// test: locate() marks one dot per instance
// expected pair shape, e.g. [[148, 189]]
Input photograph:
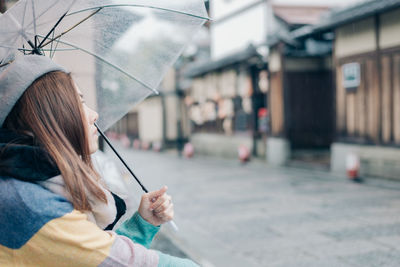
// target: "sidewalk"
[[254, 215]]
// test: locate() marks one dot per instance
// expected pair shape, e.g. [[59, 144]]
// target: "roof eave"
[[228, 61], [330, 26]]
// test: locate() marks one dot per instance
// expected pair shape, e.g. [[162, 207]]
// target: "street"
[[231, 214]]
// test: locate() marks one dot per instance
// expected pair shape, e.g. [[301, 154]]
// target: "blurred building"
[[157, 120], [364, 62], [228, 99], [162, 120], [301, 93]]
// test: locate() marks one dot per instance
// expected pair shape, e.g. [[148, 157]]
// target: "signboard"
[[351, 76]]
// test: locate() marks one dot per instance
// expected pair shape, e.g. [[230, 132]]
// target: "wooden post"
[[379, 69], [285, 93], [396, 98]]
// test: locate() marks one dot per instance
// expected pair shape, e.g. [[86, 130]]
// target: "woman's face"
[[91, 116]]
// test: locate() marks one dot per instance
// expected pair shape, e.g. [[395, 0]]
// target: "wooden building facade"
[[370, 114], [226, 104], [301, 97], [366, 67]]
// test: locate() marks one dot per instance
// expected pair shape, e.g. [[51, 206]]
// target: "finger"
[[168, 214], [158, 193], [163, 206], [157, 202], [160, 201]]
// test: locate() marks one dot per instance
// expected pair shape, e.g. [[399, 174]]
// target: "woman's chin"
[[93, 147], [93, 143]]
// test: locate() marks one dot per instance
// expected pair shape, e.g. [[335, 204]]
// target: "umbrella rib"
[[41, 14], [34, 21], [5, 64], [110, 64], [23, 18], [63, 49], [44, 12], [50, 50], [13, 47], [22, 31], [144, 6], [51, 47], [52, 29], [74, 26]]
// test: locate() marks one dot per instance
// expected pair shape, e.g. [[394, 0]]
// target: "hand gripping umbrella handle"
[[171, 223]]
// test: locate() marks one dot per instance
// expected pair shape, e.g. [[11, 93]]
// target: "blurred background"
[[292, 82], [264, 123]]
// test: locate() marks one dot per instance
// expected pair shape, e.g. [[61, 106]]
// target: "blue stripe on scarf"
[[24, 208]]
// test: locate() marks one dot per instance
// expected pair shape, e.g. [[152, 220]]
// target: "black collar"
[[23, 159]]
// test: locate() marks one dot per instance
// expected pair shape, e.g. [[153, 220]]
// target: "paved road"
[[254, 215]]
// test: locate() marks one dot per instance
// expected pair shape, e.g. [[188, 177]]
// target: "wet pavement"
[[231, 214]]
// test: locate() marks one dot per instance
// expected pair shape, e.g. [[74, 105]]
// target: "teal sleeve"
[[138, 230], [171, 261], [142, 232]]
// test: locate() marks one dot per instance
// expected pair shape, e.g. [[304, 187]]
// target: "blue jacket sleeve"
[[140, 231]]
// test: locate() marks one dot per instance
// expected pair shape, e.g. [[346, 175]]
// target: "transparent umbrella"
[[132, 43], [128, 44]]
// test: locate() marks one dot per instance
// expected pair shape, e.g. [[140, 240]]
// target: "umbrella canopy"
[[130, 44]]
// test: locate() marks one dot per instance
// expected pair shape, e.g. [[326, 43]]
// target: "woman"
[[51, 197]]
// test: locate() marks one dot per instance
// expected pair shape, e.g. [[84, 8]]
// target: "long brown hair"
[[51, 110]]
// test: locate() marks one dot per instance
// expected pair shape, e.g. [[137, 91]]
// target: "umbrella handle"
[[120, 158], [173, 226], [171, 223]]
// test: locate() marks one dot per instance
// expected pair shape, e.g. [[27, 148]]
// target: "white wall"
[[150, 119], [221, 8], [274, 61], [171, 108], [355, 38], [234, 34]]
